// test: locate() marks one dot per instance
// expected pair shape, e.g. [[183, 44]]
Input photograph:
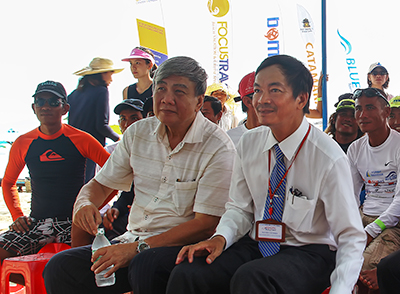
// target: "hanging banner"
[[307, 32], [354, 80], [153, 37], [274, 27], [221, 27]]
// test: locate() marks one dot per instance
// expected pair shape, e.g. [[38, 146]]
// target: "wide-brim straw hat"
[[98, 65]]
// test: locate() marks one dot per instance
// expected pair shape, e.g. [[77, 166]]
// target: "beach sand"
[[5, 215]]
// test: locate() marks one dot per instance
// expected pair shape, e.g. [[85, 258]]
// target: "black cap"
[[148, 105], [344, 96], [136, 104], [55, 88]]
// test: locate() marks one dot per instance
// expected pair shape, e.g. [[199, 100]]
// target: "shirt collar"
[[291, 143], [193, 135]]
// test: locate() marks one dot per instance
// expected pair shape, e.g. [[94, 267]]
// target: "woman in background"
[[378, 77], [143, 66], [89, 104]]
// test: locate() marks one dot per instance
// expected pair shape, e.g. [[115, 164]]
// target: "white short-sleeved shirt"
[[236, 133], [170, 185], [329, 214], [377, 168]]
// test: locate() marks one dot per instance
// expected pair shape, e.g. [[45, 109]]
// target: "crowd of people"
[[208, 203]]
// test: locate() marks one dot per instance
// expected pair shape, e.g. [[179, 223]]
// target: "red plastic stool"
[[54, 248], [30, 267], [327, 290]]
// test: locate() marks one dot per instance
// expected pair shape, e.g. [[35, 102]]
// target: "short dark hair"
[[215, 104], [186, 67], [297, 75]]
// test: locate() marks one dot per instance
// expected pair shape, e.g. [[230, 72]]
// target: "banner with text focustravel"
[[221, 33]]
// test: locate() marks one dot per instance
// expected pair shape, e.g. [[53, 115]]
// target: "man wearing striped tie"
[[292, 223]]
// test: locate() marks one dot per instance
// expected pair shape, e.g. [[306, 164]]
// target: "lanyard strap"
[[271, 195]]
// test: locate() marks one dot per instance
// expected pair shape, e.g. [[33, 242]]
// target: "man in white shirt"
[[181, 165], [246, 91], [323, 240], [375, 162]]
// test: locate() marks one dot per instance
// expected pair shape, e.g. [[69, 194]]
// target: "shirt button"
[[164, 179], [169, 157], [146, 217], [156, 199]]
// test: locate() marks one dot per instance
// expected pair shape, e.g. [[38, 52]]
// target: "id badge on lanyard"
[[271, 230]]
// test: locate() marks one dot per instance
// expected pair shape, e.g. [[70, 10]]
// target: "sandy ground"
[[5, 216]]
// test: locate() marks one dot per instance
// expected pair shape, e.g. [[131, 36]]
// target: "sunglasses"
[[53, 102], [346, 102], [380, 73], [369, 92]]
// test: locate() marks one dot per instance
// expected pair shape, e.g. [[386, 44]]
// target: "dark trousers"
[[389, 274], [69, 272], [241, 269]]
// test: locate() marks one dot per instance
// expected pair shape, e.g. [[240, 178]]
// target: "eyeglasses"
[[53, 102], [381, 73], [369, 92]]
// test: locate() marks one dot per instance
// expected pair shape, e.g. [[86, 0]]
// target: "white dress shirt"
[[170, 185], [236, 133], [329, 214], [377, 168]]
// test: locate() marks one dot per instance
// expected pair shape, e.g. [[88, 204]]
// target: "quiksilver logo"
[[50, 155]]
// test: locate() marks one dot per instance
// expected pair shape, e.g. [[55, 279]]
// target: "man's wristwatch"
[[142, 246]]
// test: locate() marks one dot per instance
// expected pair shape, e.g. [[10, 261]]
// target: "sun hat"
[[136, 104], [55, 88], [137, 53], [346, 104], [375, 65], [98, 65], [395, 102]]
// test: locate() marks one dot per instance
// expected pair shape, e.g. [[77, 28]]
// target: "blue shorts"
[[44, 231]]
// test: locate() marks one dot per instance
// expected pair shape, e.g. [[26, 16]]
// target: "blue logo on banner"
[[351, 64], [346, 44]]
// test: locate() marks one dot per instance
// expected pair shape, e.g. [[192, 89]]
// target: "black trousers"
[[241, 269], [389, 274], [69, 272]]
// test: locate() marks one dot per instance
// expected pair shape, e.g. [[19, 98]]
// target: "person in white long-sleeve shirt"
[[375, 162], [324, 238]]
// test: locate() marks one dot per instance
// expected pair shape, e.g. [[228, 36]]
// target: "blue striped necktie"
[[271, 248]]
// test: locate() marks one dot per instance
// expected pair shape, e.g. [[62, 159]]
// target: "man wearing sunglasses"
[[375, 162], [55, 155]]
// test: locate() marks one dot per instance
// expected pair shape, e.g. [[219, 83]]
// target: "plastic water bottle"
[[101, 241]]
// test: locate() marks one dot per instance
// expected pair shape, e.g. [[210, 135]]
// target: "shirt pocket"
[[299, 213], [183, 197]]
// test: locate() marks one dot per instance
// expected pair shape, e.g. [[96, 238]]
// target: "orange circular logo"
[[218, 8], [272, 34]]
